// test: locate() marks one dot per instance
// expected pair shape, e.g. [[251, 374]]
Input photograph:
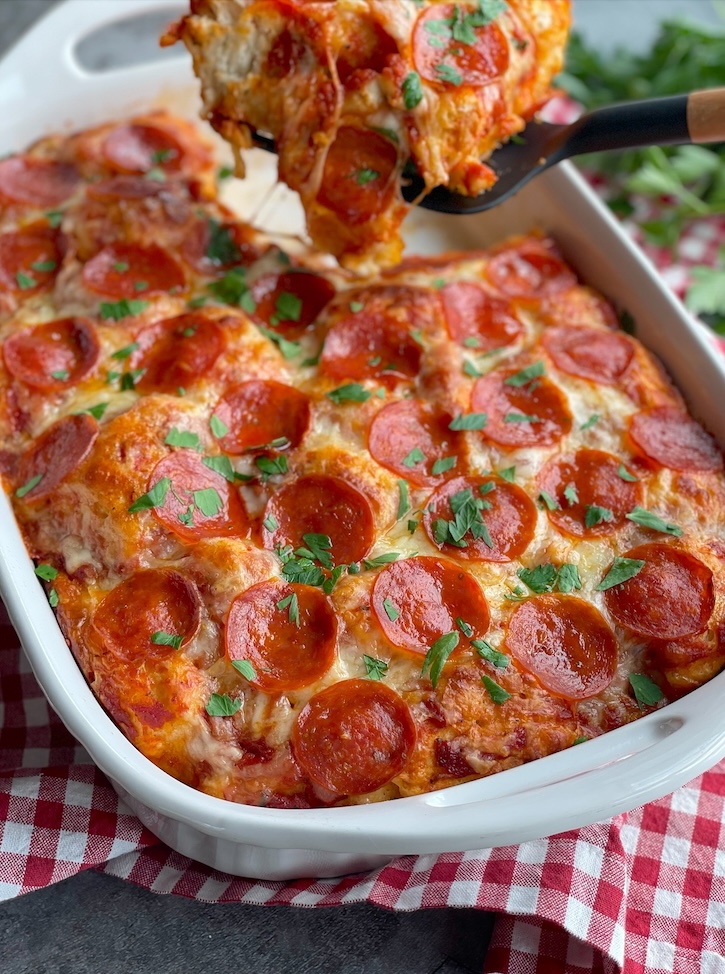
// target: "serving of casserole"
[[302, 530]]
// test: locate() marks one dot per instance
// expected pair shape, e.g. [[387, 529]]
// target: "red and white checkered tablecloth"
[[643, 893]]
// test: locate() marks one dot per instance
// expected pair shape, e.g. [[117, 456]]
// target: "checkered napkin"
[[643, 893]]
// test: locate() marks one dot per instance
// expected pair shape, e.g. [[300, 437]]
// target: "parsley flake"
[[183, 438], [469, 421], [652, 521], [222, 705], [381, 560], [520, 418], [46, 572], [232, 289], [161, 638], [550, 502], [626, 475], [415, 457], [486, 651], [437, 656], [646, 691], [594, 515], [244, 667], [222, 248], [270, 522], [443, 465], [152, 498], [352, 392], [365, 176], [271, 467], [126, 351], [208, 501], [464, 627], [495, 692], [375, 668], [404, 500], [53, 598], [508, 473], [621, 570], [44, 266], [221, 465], [526, 375], [291, 603], [125, 308], [412, 90], [30, 485], [592, 421], [570, 495], [390, 609], [218, 427], [25, 281], [446, 72], [61, 375]]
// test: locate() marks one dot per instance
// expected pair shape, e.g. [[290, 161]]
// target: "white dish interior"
[[43, 89]]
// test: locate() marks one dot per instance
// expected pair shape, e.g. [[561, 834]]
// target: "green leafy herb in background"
[[684, 57]]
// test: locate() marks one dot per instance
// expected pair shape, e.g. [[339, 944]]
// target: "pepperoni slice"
[[403, 430], [566, 644], [578, 305], [154, 601], [200, 503], [213, 246], [370, 344], [475, 316], [353, 737], [260, 412], [317, 504], [37, 182], [535, 414], [52, 356], [671, 596], [531, 269], [119, 270], [137, 148], [177, 352], [29, 259], [358, 176], [673, 439], [55, 454], [290, 302], [427, 596], [443, 60], [584, 480], [509, 516], [589, 353], [287, 632]]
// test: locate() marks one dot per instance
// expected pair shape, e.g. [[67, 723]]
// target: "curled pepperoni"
[[671, 596], [136, 148], [287, 632], [317, 504], [441, 59], [120, 270], [584, 480], [29, 259], [372, 341], [673, 439], [290, 302], [404, 430], [177, 352], [532, 269], [358, 175], [212, 247], [508, 514], [566, 644], [534, 414], [36, 182], [199, 502], [261, 412], [475, 317], [589, 353], [154, 601], [55, 455], [353, 737], [52, 356], [425, 598]]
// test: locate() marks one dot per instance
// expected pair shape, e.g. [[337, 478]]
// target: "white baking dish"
[[42, 88]]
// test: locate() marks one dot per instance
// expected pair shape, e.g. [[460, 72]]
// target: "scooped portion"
[[356, 92]]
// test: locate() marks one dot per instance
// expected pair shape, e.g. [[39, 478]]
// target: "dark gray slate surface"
[[93, 924]]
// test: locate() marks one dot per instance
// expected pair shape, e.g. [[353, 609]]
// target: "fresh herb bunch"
[[684, 57]]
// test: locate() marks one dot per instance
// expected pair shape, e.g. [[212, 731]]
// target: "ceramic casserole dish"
[[43, 88]]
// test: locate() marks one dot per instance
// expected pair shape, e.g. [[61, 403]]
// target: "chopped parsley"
[[232, 289], [469, 421], [98, 410], [222, 248], [466, 510], [495, 692], [244, 667], [208, 501], [592, 421], [287, 348], [391, 610], [352, 392], [404, 500], [443, 465], [654, 522], [152, 498], [626, 475], [287, 307], [222, 465], [412, 90], [125, 308], [526, 375], [291, 603], [547, 577], [570, 495], [270, 522], [365, 176], [520, 418], [415, 457], [375, 668], [550, 502], [44, 266], [486, 651], [61, 375], [594, 515], [446, 72], [126, 351], [218, 427], [30, 485], [646, 691], [437, 656], [621, 570], [271, 467], [508, 473], [25, 281], [222, 705], [162, 638], [381, 560], [183, 438], [46, 572]]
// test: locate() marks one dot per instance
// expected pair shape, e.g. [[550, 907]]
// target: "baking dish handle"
[[58, 34]]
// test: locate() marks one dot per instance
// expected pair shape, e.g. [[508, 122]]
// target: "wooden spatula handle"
[[706, 115]]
